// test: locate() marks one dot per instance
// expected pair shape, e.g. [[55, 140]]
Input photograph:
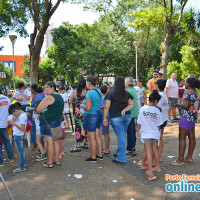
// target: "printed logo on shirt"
[[150, 115], [4, 103]]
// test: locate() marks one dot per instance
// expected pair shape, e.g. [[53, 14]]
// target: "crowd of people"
[[128, 106]]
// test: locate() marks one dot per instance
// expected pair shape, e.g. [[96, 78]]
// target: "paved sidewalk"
[[101, 180]]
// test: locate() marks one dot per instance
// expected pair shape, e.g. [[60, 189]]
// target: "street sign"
[[2, 74], [83, 72]]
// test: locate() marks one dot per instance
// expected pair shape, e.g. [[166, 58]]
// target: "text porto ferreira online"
[[184, 184]]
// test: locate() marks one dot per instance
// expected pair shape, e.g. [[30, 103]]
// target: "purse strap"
[[45, 121], [97, 92]]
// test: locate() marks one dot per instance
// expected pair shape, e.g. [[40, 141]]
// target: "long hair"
[[80, 87], [119, 91]]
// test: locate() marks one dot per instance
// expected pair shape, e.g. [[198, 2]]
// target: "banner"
[[2, 74]]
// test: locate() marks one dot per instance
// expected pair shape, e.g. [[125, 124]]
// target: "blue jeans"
[[33, 132], [20, 147], [120, 125], [131, 138], [7, 145]]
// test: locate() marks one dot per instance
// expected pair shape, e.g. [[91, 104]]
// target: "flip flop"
[[18, 170], [144, 168], [56, 163], [174, 163], [78, 149], [104, 153], [185, 159], [155, 170], [151, 178], [46, 165]]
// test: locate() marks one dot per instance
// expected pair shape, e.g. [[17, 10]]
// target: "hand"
[[123, 112], [12, 122], [105, 122], [22, 91]]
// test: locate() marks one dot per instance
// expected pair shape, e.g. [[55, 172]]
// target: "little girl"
[[149, 120]]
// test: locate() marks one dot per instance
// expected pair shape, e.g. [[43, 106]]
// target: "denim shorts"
[[45, 130], [149, 140], [93, 121], [38, 132]]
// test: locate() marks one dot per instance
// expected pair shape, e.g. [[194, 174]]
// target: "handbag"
[[56, 132]]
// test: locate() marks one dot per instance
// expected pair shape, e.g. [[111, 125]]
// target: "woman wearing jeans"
[[93, 118], [119, 103]]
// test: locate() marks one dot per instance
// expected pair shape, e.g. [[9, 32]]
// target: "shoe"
[[170, 121], [176, 119], [1, 164], [73, 133], [42, 157], [11, 160], [115, 161], [114, 155], [38, 157], [91, 160], [99, 158]]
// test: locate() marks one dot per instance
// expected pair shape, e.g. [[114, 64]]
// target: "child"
[[149, 121], [38, 135], [61, 141], [163, 104], [181, 87], [105, 129], [66, 105], [18, 122]]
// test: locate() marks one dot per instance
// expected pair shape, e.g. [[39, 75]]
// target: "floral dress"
[[190, 114], [81, 135]]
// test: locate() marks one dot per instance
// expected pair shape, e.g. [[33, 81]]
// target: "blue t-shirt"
[[95, 99], [38, 96]]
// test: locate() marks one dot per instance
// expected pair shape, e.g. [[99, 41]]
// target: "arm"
[[26, 96], [72, 97], [88, 105], [12, 99], [145, 96], [137, 130], [166, 89], [45, 103], [185, 104], [106, 109], [129, 107], [21, 128]]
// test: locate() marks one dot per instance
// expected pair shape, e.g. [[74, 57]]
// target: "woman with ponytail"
[[188, 111]]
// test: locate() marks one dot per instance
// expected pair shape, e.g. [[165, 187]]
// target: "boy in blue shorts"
[[105, 129]]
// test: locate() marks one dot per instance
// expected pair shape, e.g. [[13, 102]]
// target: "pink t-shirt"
[[172, 88]]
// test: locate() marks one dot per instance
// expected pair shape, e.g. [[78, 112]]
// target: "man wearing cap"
[[152, 83], [4, 105], [22, 95]]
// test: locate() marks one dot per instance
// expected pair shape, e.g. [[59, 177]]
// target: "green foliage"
[[25, 66], [172, 67]]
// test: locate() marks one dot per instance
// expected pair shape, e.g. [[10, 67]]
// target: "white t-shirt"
[[37, 121], [150, 118], [138, 91], [163, 104], [66, 105], [4, 105], [20, 98], [21, 119], [69, 93], [172, 88]]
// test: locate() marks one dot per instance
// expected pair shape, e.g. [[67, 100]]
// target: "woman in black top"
[[119, 103]]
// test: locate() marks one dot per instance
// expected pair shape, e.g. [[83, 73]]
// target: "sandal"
[[56, 163], [75, 150], [48, 165], [188, 160], [144, 168], [155, 170], [85, 146], [151, 178], [175, 163], [18, 170], [104, 153]]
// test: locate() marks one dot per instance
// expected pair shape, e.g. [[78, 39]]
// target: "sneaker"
[[73, 133], [99, 158], [11, 160], [1, 164], [43, 157], [176, 119], [39, 156], [170, 121], [91, 160], [114, 155]]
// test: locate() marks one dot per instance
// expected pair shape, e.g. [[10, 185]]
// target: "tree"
[[8, 81]]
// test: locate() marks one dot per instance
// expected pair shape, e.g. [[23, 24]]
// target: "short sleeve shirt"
[[95, 96], [152, 83], [20, 97], [150, 119], [66, 105], [163, 104], [134, 110], [190, 114], [116, 107], [21, 119], [172, 88], [4, 105]]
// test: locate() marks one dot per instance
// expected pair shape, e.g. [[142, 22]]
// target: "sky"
[[65, 12]]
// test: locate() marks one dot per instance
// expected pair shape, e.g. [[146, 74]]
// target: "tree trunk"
[[35, 58], [165, 54]]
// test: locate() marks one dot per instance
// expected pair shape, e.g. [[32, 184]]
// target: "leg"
[[28, 137], [7, 145], [19, 143], [161, 146], [51, 149], [93, 144], [169, 112], [99, 142], [15, 151], [174, 112], [148, 149], [156, 155], [38, 140], [182, 144], [131, 135], [107, 143], [144, 159], [57, 150], [192, 144]]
